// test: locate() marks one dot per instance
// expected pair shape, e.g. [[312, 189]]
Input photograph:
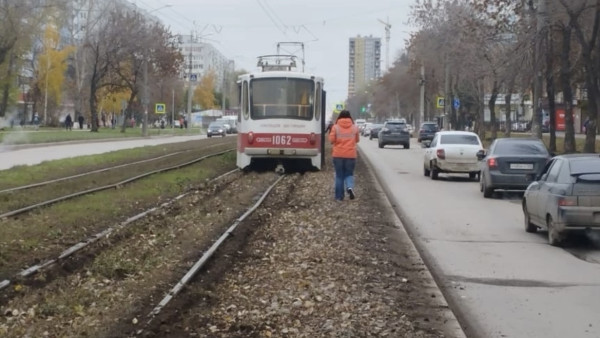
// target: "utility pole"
[[422, 99], [190, 91], [536, 126], [145, 99]]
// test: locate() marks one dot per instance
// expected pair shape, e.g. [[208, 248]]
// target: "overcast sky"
[[245, 29]]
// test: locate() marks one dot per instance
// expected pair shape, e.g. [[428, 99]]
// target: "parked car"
[[374, 133], [411, 129], [394, 132], [452, 152], [565, 197], [366, 129], [510, 162], [216, 128], [427, 131]]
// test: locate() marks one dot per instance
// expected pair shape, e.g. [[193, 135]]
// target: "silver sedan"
[[565, 197]]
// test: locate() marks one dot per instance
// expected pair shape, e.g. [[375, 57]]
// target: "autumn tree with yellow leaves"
[[204, 94], [52, 65]]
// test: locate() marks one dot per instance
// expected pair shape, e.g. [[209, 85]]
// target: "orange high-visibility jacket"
[[344, 137]]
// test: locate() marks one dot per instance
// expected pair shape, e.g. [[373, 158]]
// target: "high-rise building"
[[201, 58], [364, 62]]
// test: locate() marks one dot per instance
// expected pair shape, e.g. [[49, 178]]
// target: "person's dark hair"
[[344, 114]]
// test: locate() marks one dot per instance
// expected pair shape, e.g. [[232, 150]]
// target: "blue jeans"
[[344, 174]]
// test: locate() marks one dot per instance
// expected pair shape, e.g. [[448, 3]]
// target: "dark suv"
[[216, 128], [427, 131], [394, 132]]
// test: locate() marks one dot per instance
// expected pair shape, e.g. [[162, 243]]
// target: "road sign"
[[160, 108], [339, 106], [456, 103], [439, 102], [194, 77]]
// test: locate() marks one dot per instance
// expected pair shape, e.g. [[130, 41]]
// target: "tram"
[[281, 122]]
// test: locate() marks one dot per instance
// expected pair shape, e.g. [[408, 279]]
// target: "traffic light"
[[363, 109]]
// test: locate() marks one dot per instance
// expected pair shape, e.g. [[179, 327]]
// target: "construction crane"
[[388, 27]]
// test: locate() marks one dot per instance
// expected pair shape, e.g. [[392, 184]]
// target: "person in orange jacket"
[[344, 136]]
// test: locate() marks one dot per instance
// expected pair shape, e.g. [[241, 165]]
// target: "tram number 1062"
[[282, 140]]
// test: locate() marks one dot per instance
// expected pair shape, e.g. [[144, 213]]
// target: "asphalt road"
[[499, 280], [12, 156]]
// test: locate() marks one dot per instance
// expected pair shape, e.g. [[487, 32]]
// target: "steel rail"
[[207, 255], [39, 184], [96, 237], [110, 186]]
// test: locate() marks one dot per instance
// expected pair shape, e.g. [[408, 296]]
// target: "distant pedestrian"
[[344, 136], [181, 123], [185, 123], [80, 120], [68, 122], [36, 121], [103, 120]]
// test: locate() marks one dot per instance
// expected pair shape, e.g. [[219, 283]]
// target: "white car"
[[452, 152]]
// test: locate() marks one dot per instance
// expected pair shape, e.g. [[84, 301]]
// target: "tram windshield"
[[282, 98]]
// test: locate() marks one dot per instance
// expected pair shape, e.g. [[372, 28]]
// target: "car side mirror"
[[552, 154], [426, 144], [480, 154]]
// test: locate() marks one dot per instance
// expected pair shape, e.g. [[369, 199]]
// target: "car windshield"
[[520, 148], [396, 126], [215, 125], [429, 127], [459, 139], [585, 166]]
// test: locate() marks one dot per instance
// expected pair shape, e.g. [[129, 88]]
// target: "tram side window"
[[318, 102], [283, 98], [244, 100]]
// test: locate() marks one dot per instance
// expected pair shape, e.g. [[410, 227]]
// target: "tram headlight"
[[250, 137], [313, 138]]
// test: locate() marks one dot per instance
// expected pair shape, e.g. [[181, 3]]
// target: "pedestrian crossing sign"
[[160, 108], [439, 102]]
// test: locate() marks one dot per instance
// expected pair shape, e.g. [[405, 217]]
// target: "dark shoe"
[[351, 193]]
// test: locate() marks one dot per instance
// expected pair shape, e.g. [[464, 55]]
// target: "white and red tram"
[[281, 119]]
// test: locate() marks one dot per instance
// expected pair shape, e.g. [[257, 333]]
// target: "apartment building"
[[364, 64]]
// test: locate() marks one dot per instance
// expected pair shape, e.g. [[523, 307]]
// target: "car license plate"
[[522, 166]]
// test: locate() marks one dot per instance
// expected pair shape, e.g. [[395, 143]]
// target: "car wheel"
[[529, 227], [425, 171], [370, 137], [434, 173], [208, 136], [407, 146], [487, 191], [381, 145], [419, 140], [472, 175], [480, 183], [555, 238]]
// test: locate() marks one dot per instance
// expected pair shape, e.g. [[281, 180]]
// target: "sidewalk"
[[32, 154]]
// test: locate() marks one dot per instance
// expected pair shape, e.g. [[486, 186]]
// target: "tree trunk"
[[492, 107], [565, 80], [550, 89], [6, 89], [481, 113]]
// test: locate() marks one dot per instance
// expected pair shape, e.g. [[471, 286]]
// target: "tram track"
[[108, 186], [36, 268], [162, 246], [20, 199], [29, 239]]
